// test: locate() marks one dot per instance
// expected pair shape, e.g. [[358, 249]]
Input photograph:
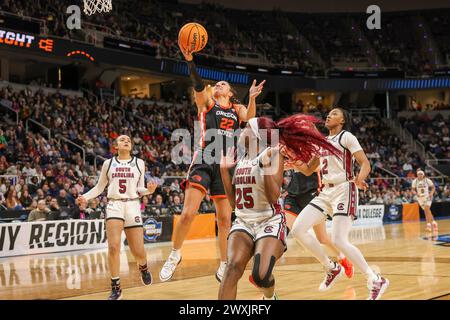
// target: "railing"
[[90, 94], [39, 125], [407, 137], [12, 110], [441, 179], [95, 160], [60, 137], [386, 170], [365, 111], [432, 162]]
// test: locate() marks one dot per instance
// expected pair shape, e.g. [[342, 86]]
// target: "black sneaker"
[[146, 276], [116, 293]]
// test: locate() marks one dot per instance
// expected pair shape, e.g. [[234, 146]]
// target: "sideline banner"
[[368, 215], [51, 236]]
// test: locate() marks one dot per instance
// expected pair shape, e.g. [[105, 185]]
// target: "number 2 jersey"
[[333, 169], [251, 202], [125, 179], [422, 187]]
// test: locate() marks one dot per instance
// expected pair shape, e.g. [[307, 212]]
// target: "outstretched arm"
[[202, 98], [246, 114], [98, 188], [364, 163]]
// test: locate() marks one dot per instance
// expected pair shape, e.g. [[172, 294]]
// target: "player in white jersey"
[[124, 176], [259, 229], [421, 188], [338, 200]]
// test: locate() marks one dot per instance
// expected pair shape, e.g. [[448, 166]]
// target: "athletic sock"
[[115, 282], [341, 256], [143, 267], [176, 252], [370, 275]]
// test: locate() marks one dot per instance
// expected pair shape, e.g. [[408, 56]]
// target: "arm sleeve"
[[351, 143], [101, 183], [141, 189]]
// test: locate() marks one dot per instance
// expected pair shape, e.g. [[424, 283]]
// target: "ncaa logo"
[[340, 206], [137, 219], [268, 229], [197, 178], [152, 229]]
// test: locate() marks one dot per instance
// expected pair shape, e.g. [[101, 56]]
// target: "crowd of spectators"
[[277, 35], [36, 167], [46, 174], [433, 133]]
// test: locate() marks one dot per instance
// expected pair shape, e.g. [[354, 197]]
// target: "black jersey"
[[224, 120], [301, 184]]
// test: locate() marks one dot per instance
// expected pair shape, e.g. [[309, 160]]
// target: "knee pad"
[[264, 282]]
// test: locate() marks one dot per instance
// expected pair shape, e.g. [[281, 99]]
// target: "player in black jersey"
[[301, 190], [221, 113]]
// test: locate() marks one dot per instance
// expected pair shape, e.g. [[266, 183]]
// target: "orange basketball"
[[192, 37]]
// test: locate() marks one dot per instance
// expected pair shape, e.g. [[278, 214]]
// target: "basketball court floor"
[[417, 265]]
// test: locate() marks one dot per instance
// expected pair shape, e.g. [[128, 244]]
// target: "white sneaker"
[[169, 267], [221, 271], [377, 288], [331, 276], [275, 297]]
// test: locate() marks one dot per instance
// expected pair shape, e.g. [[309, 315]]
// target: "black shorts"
[[294, 204], [206, 177]]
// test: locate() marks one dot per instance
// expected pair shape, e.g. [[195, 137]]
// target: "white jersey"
[[422, 187], [333, 169], [252, 205], [125, 179]]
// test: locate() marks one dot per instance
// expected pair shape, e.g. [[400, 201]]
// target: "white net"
[[93, 6]]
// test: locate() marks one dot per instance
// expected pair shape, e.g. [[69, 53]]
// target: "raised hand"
[[255, 90], [187, 54]]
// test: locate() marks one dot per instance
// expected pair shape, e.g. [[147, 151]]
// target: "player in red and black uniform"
[[219, 116]]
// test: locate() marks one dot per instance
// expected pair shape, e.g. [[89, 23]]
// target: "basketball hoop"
[[93, 6]]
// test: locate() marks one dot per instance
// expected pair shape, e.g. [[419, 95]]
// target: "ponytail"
[[300, 137]]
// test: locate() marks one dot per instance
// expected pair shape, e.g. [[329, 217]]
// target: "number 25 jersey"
[[251, 202]]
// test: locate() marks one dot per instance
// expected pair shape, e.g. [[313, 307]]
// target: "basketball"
[[192, 37]]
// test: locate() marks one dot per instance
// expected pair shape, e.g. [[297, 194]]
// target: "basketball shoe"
[[348, 267], [377, 287], [169, 266], [146, 276], [220, 271], [331, 277]]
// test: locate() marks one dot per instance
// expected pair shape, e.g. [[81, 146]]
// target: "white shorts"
[[424, 201], [274, 227], [339, 200], [127, 211]]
